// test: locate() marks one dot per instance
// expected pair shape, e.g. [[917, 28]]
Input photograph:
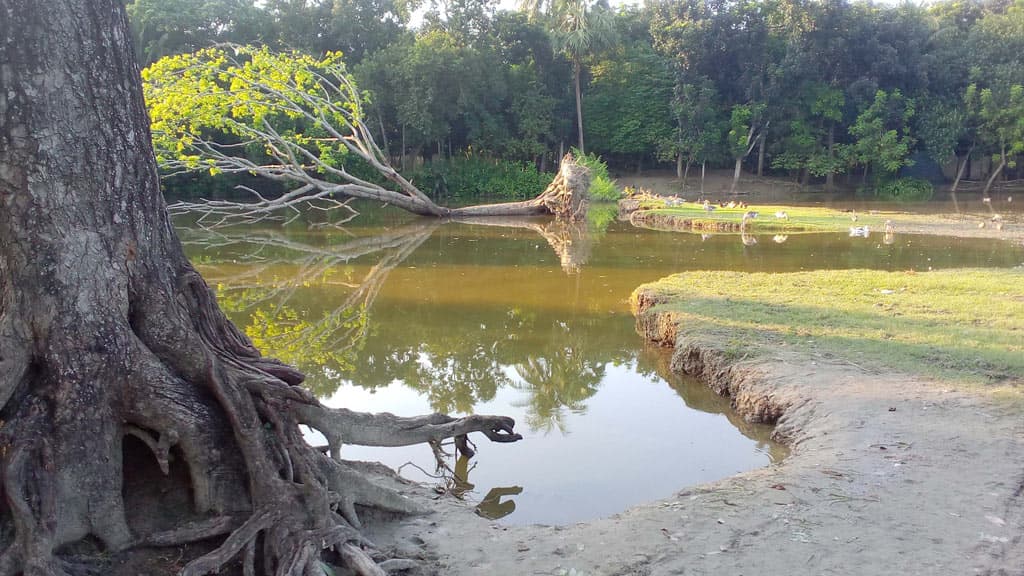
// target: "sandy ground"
[[888, 474]]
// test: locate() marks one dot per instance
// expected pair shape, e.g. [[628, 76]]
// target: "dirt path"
[[888, 475]]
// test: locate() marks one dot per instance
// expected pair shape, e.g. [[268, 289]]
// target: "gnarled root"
[[212, 413], [340, 425]]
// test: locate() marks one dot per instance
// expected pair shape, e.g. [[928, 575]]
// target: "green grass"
[[800, 219], [963, 325]]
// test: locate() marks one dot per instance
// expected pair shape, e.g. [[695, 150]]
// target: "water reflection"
[[522, 318], [493, 507], [570, 241], [266, 278]]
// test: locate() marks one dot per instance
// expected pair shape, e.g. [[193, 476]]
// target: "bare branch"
[[332, 109]]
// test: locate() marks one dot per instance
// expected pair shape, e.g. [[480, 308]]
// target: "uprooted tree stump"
[[116, 361], [566, 198]]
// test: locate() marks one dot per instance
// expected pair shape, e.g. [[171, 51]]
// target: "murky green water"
[[527, 320]]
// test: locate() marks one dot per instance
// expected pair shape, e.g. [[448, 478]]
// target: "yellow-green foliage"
[[960, 324], [281, 105]]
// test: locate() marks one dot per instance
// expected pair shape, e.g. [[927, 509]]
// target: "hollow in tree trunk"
[[114, 355]]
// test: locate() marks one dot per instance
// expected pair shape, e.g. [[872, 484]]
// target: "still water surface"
[[529, 320]]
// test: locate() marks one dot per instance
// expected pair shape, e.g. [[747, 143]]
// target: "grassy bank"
[[797, 219], [965, 325]]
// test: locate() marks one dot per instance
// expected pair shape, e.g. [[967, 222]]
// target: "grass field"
[[966, 325], [798, 219]]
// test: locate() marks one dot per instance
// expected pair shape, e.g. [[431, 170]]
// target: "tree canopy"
[[690, 81]]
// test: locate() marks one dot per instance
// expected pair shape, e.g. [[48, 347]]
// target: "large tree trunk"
[[736, 175], [566, 198], [830, 177], [995, 174], [961, 168], [760, 155], [577, 72], [107, 332]]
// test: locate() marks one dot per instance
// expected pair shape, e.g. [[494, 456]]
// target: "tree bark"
[[961, 168], [576, 70], [404, 167], [736, 174], [751, 142], [566, 198], [760, 155], [830, 176], [107, 331], [995, 173]]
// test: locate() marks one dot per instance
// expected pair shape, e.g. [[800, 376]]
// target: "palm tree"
[[585, 26]]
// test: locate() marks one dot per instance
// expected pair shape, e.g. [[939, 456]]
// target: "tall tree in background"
[[995, 98], [699, 126], [628, 104], [882, 135], [585, 27], [999, 114], [165, 27], [117, 363]]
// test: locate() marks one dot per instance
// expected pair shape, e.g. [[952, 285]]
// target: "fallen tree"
[[115, 359], [297, 121]]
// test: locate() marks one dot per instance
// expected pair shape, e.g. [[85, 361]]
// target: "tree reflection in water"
[[562, 380], [274, 284], [265, 275], [457, 315], [309, 300]]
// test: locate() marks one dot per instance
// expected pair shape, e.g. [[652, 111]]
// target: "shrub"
[[602, 187], [474, 178], [905, 190]]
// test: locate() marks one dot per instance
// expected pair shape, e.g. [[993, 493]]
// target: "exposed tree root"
[[116, 362], [191, 532], [233, 417], [340, 426], [360, 562]]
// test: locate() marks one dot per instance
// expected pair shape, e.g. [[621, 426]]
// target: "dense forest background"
[[821, 91]]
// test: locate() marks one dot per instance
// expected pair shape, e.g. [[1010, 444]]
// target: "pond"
[[522, 318]]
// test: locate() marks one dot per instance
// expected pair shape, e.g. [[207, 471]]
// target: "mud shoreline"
[[887, 475]]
